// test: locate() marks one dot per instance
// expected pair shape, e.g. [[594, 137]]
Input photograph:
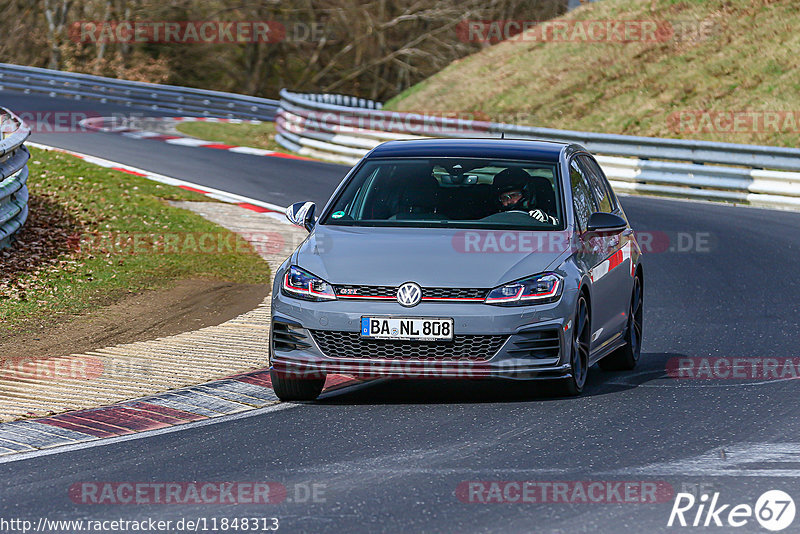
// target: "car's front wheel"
[[579, 354], [295, 389], [625, 358]]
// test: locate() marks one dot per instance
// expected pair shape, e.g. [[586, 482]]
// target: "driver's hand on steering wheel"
[[541, 216]]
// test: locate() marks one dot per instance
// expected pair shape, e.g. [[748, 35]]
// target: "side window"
[[581, 194], [602, 192]]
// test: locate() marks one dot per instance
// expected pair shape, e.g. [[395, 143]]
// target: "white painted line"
[[142, 134], [218, 194], [250, 150], [96, 123], [162, 400], [101, 442], [351, 469], [739, 460], [670, 382], [188, 141]]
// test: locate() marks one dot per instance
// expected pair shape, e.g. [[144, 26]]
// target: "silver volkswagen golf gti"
[[460, 258]]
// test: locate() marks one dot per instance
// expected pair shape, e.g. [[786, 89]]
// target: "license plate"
[[419, 328]]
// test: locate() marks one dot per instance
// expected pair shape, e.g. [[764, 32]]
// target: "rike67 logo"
[[774, 510]]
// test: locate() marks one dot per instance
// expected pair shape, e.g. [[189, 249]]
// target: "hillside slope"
[[724, 70]]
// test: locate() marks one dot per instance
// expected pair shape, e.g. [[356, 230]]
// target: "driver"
[[511, 188]]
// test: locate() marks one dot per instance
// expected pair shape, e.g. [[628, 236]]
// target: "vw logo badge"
[[409, 294]]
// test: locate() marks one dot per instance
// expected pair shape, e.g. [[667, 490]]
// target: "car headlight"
[[539, 289], [304, 285]]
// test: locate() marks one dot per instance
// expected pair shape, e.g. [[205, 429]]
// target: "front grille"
[[461, 348], [356, 291], [366, 291], [453, 293], [540, 344]]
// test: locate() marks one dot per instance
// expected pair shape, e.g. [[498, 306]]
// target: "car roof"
[[480, 148]]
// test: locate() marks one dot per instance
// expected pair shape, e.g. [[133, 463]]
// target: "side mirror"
[[602, 223], [302, 214]]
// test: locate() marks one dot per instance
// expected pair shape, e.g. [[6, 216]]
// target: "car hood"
[[431, 257]]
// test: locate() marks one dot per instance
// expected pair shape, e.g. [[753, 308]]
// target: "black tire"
[[295, 389], [625, 358], [579, 352]]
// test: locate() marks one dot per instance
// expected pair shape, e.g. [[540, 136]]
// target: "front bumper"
[[297, 347]]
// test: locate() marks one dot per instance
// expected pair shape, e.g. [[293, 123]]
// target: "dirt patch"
[[187, 305], [45, 236]]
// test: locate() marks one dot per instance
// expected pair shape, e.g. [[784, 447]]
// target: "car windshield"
[[458, 192]]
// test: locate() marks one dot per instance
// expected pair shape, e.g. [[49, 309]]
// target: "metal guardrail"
[[342, 100], [155, 97], [13, 176], [759, 175]]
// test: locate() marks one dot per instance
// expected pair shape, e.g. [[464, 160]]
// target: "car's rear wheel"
[[295, 389], [625, 358], [579, 352]]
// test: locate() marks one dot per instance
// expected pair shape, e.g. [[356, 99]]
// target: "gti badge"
[[409, 294]]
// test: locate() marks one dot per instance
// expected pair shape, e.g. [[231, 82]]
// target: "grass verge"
[[259, 135], [94, 235]]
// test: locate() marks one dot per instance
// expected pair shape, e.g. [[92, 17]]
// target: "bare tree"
[[370, 48], [55, 13]]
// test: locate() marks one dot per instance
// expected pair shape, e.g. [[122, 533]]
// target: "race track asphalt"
[[389, 455]]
